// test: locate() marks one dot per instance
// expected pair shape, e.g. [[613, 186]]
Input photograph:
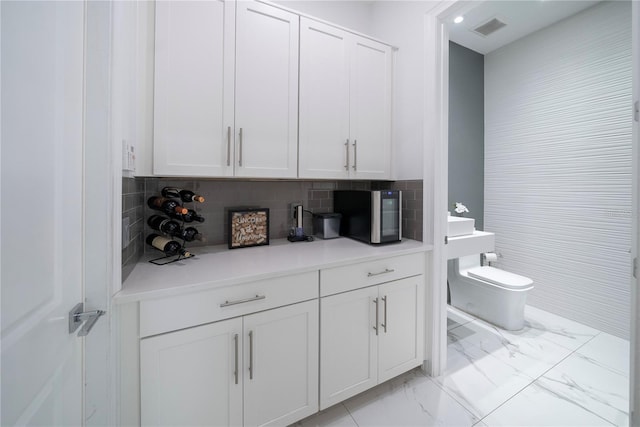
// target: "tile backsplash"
[[315, 196], [133, 202]]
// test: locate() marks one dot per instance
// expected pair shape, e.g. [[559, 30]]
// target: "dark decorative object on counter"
[[248, 227]]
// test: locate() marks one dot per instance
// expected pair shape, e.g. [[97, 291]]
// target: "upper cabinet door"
[[193, 96], [371, 81], [324, 100], [266, 91]]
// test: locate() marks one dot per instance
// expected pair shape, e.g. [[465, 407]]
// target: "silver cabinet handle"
[[242, 301], [375, 301], [229, 146], [355, 155], [386, 270], [235, 372], [250, 355], [384, 325], [240, 149], [346, 145]]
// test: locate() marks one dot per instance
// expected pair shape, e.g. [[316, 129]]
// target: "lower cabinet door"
[[189, 377], [348, 345], [401, 337], [281, 365]]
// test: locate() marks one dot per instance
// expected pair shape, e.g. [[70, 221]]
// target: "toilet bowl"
[[488, 293]]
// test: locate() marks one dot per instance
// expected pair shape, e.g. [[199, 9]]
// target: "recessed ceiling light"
[[458, 19]]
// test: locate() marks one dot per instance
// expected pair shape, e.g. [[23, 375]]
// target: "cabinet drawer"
[[354, 276], [184, 311]]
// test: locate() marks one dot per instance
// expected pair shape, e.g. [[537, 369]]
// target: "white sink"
[[460, 226]]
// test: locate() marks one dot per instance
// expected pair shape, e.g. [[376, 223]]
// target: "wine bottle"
[[168, 246], [184, 195], [165, 205], [189, 216], [166, 225], [190, 234]]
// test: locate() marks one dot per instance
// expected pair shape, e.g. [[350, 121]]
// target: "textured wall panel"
[[558, 164]]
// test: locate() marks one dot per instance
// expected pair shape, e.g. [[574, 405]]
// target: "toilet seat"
[[500, 277]]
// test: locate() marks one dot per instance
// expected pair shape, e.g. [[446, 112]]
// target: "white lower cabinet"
[[273, 351], [281, 364], [187, 377], [368, 336], [257, 370]]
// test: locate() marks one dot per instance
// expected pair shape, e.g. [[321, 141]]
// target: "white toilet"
[[489, 293]]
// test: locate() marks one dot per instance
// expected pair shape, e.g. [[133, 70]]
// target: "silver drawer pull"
[[386, 270], [384, 325], [346, 145], [250, 355], [242, 301], [235, 372], [375, 301]]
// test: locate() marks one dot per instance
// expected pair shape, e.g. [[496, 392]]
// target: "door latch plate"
[[74, 320], [77, 317]]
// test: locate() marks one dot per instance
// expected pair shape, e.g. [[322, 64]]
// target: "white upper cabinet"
[[345, 104], [226, 90], [370, 89], [266, 91], [193, 89], [234, 80], [324, 100]]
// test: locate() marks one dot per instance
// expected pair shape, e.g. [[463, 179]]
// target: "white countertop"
[[217, 266]]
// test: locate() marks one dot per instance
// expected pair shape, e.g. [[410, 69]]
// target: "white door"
[[193, 377], [635, 281], [348, 345], [266, 91], [193, 97], [371, 79], [400, 340], [281, 365], [42, 204], [324, 100]]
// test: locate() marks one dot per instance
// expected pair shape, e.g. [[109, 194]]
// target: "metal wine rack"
[[168, 259]]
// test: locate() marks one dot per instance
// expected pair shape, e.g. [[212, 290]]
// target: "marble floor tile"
[[538, 406], [531, 356], [335, 416], [409, 400], [479, 381], [561, 331], [554, 372], [608, 350], [590, 385], [457, 317]]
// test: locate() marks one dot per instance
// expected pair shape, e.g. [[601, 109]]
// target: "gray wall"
[[466, 131]]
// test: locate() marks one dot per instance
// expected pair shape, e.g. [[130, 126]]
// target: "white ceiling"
[[522, 17]]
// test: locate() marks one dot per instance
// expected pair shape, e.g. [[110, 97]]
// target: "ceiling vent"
[[489, 27]]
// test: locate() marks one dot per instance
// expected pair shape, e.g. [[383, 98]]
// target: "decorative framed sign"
[[248, 227]]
